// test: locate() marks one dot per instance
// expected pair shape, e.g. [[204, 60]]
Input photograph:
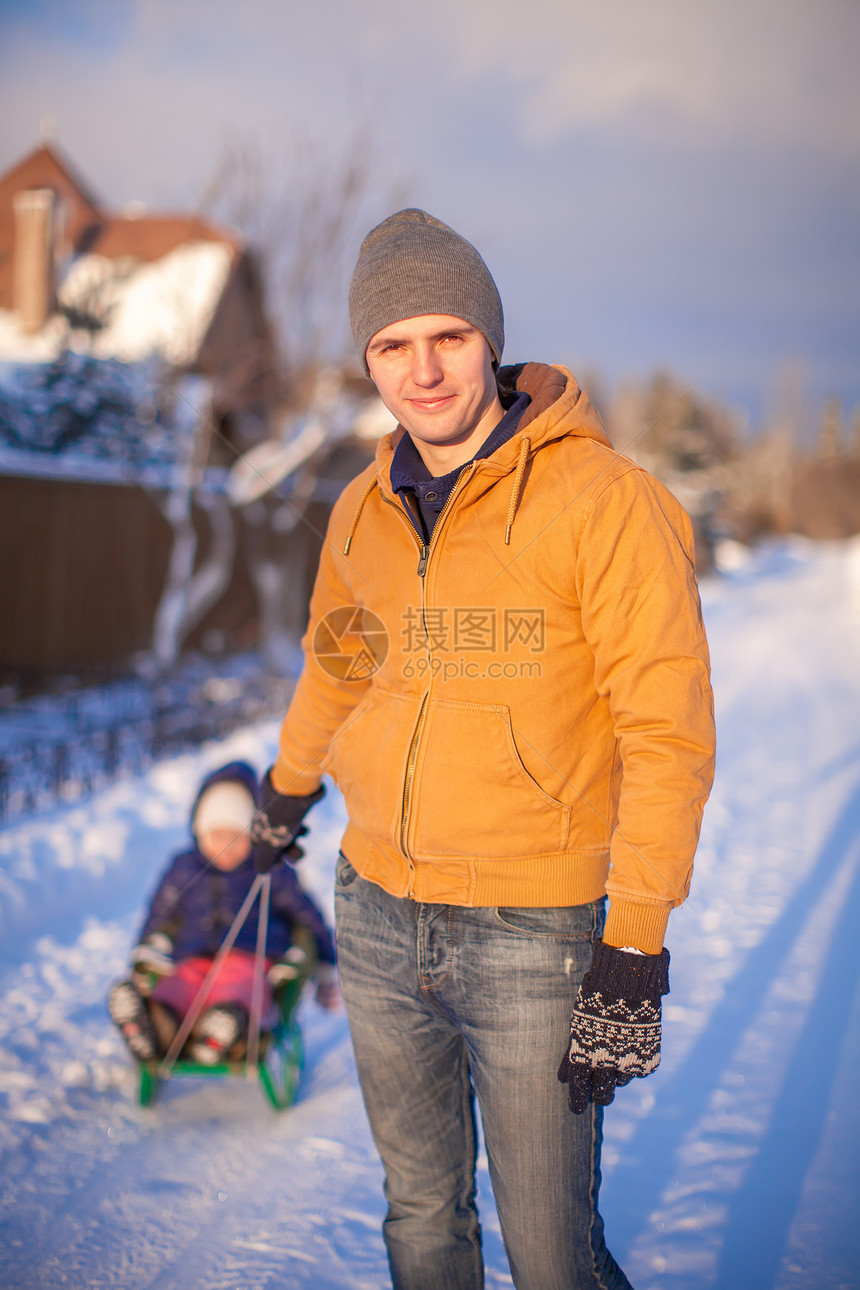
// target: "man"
[[529, 730]]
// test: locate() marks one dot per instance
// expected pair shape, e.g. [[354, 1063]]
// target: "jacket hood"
[[235, 772], [558, 408]]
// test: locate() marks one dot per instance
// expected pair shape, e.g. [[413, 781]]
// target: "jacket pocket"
[[473, 796], [344, 875], [367, 758], [562, 923]]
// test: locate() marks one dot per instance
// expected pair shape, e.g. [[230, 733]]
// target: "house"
[[136, 364], [130, 286]]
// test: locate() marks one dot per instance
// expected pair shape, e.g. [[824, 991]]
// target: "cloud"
[[144, 114], [688, 170], [174, 75], [772, 72]]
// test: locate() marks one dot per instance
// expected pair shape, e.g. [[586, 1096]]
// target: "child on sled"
[[196, 901]]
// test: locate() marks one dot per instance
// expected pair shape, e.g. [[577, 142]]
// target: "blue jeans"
[[446, 1003]]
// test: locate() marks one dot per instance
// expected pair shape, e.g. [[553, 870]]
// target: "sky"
[[653, 184]]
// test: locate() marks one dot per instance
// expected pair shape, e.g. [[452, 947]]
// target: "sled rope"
[[190, 1018], [253, 1054]]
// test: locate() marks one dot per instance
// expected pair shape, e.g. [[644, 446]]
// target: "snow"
[[90, 419], [334, 415], [18, 346], [88, 470], [163, 307], [97, 403], [735, 1167], [58, 747]]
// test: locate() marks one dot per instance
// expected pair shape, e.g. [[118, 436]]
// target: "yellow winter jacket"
[[520, 713]]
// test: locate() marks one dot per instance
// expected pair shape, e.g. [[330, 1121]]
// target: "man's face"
[[435, 374]]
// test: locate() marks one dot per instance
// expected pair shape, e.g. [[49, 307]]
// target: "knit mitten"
[[155, 955], [615, 1027], [278, 823], [293, 965]]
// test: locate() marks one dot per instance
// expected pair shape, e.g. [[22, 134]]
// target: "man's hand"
[[615, 1027], [278, 823]]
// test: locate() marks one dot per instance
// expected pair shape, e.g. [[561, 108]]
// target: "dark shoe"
[[127, 1009]]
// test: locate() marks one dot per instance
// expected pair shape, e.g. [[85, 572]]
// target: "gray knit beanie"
[[413, 264]]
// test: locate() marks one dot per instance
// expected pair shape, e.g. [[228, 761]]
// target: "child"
[[192, 910]]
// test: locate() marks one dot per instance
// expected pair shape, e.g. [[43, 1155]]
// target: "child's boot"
[[128, 1011], [216, 1032]]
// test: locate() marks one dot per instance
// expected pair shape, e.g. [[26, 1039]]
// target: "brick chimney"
[[33, 272]]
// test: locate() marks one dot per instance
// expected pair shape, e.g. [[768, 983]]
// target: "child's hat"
[[224, 805]]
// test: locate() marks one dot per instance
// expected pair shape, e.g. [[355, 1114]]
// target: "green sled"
[[279, 1066]]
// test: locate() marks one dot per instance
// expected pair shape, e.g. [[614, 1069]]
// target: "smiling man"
[[436, 375], [534, 735]]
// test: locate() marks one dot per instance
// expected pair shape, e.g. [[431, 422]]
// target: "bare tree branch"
[[303, 213]]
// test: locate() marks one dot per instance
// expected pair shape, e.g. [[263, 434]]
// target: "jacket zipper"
[[424, 552]]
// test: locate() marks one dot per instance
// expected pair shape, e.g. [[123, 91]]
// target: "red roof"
[[86, 226], [149, 237], [45, 167]]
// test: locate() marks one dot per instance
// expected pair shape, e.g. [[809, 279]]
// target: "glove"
[[278, 823], [155, 954], [615, 1027], [326, 988], [293, 965]]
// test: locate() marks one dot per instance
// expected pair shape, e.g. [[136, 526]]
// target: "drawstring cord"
[[517, 486]]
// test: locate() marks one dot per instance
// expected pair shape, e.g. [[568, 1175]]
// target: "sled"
[[278, 1067], [275, 1057]]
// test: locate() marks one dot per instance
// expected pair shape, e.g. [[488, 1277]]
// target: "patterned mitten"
[[278, 823], [615, 1027]]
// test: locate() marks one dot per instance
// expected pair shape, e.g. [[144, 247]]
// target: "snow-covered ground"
[[737, 1165]]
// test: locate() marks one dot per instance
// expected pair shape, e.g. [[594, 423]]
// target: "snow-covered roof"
[[162, 308]]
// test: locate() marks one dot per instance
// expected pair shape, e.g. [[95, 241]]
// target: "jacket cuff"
[[294, 784], [619, 975], [630, 923]]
